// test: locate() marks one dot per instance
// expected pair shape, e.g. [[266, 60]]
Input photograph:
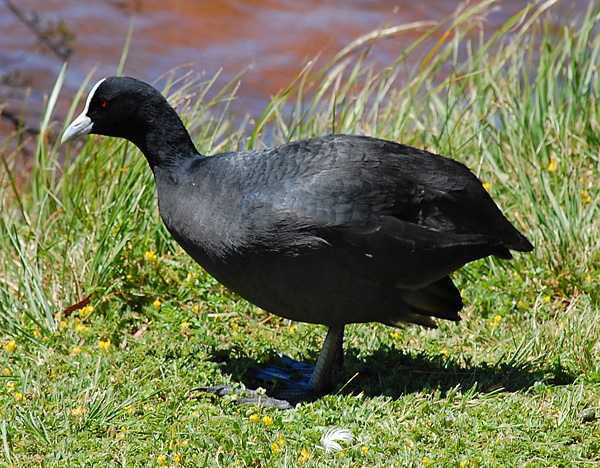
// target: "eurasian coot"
[[331, 230]]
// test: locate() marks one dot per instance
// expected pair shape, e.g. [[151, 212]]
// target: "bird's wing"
[[411, 217]]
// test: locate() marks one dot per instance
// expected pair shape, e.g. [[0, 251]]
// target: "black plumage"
[[332, 230]]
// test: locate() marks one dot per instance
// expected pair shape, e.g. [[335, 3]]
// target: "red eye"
[[103, 103]]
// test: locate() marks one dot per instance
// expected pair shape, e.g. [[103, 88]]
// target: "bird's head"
[[119, 107], [129, 108]]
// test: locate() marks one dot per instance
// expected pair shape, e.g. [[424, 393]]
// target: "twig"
[[17, 122], [60, 49]]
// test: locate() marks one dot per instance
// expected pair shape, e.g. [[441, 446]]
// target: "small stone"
[[587, 415]]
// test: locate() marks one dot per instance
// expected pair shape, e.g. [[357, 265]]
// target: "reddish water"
[[276, 37]]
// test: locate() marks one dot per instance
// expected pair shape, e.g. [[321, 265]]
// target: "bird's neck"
[[167, 146]]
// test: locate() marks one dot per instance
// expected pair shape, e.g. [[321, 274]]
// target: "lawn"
[[106, 325]]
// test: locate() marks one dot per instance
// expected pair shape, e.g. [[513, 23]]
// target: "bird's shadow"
[[394, 373]]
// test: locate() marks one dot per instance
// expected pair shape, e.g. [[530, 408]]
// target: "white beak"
[[82, 125]]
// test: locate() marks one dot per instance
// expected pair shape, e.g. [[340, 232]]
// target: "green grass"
[[507, 386]]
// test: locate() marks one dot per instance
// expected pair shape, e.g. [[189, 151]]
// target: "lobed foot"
[[296, 382], [291, 379]]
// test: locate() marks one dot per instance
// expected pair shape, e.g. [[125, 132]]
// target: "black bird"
[[330, 230]]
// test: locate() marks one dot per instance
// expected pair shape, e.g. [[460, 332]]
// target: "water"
[[275, 37]]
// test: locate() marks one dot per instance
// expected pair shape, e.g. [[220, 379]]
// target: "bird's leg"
[[331, 352], [297, 389]]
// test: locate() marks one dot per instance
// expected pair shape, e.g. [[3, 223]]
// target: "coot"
[[330, 230]]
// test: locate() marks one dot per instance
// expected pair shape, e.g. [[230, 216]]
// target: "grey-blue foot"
[[282, 399], [292, 382]]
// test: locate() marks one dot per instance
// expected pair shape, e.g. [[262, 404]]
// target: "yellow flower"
[[473, 463], [303, 456], [342, 454], [268, 420], [254, 417], [157, 303], [84, 311], [11, 386], [11, 346], [547, 299], [394, 334], [463, 464], [426, 460], [585, 197], [18, 396], [486, 186], [280, 440], [185, 325], [161, 459], [7, 372], [444, 352], [36, 333], [551, 167], [53, 373], [63, 324], [78, 411], [235, 326], [104, 345], [121, 435], [81, 328], [150, 255], [275, 447], [364, 449], [76, 350], [176, 458], [292, 330], [195, 414], [520, 303]]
